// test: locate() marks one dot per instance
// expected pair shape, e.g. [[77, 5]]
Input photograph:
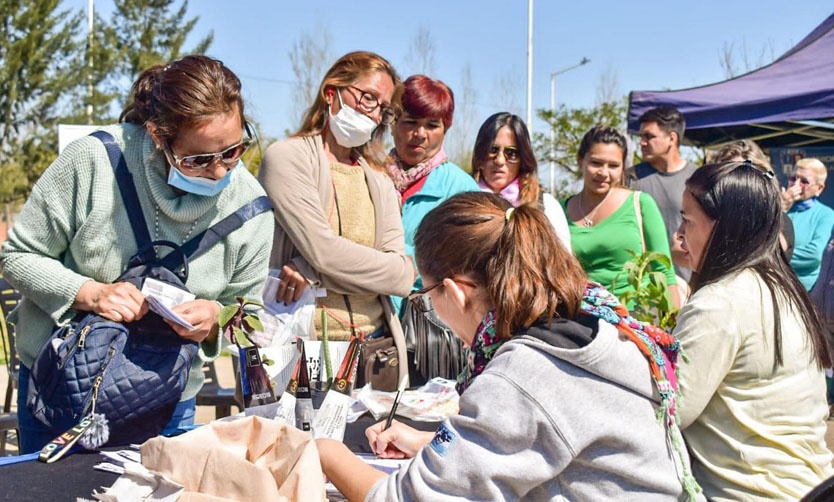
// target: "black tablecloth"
[[74, 476]]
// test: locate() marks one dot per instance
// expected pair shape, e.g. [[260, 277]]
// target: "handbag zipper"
[[79, 344], [99, 379]]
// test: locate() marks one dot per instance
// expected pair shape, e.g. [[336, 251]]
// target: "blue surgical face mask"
[[200, 186]]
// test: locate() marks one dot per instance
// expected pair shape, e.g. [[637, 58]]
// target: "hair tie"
[[508, 213]]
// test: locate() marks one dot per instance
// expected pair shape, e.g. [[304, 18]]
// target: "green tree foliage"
[[150, 32], [39, 61], [569, 125]]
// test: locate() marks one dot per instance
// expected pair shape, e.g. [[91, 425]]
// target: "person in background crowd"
[[424, 177], [337, 211], [64, 252], [823, 297], [522, 303], [504, 162], [745, 149], [606, 222], [812, 220], [663, 172], [752, 392]]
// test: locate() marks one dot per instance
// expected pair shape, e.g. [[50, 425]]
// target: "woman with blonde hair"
[[337, 211]]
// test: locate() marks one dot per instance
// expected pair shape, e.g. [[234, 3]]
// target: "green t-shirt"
[[603, 248]]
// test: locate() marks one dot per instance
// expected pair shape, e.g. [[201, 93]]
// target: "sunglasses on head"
[[511, 153]]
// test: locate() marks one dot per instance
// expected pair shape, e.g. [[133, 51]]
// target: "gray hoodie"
[[573, 419]]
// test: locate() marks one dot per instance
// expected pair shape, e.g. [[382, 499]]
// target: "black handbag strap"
[[194, 247], [129, 195], [210, 236]]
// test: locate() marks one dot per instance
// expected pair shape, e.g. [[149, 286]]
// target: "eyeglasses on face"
[[202, 161], [510, 153], [419, 299], [802, 181], [367, 102]]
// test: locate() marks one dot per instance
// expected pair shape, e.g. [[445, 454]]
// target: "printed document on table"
[[163, 297]]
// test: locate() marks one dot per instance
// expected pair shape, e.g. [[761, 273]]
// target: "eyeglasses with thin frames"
[[510, 153], [200, 162], [368, 103], [419, 298]]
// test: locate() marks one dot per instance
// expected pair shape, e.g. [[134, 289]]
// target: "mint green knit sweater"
[[74, 228]]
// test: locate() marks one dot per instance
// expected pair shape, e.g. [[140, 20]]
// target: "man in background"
[[663, 173], [812, 220]]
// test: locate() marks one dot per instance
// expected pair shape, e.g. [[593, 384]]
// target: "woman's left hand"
[[292, 284], [202, 314]]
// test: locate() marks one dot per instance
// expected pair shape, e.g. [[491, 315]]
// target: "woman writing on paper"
[[540, 337]]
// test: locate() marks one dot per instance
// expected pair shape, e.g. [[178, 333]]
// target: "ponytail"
[[513, 252]]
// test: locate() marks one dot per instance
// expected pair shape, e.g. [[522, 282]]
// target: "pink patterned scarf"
[[511, 193], [404, 177]]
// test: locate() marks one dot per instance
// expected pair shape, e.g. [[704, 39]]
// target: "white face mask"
[[349, 127]]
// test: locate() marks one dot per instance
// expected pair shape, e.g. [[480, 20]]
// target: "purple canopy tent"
[[787, 103]]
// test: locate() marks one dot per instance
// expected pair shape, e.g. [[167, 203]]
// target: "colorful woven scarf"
[[484, 346], [661, 350], [405, 177]]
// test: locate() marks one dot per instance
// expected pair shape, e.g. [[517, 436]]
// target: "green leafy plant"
[[238, 321], [649, 296]]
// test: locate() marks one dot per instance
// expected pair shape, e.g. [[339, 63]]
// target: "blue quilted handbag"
[[132, 373]]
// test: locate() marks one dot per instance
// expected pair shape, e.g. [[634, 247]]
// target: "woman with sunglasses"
[[424, 176], [182, 134], [753, 405], [337, 211], [556, 403], [504, 162], [608, 221]]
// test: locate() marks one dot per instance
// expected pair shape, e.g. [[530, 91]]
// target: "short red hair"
[[424, 97]]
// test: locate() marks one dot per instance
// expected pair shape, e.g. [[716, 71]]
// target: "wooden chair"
[[212, 394], [9, 298]]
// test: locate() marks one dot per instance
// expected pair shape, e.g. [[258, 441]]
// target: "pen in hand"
[[397, 398]]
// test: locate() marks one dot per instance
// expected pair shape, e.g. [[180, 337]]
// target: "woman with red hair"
[[425, 177]]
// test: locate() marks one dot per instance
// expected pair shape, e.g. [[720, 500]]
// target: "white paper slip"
[[166, 294], [164, 312]]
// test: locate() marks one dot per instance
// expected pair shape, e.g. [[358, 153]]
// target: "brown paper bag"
[[246, 459]]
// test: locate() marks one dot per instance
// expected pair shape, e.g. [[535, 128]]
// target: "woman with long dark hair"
[[753, 402], [504, 162]]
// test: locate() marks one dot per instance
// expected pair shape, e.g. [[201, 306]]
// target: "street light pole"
[[582, 62]]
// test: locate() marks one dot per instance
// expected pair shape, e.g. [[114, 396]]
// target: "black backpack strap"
[[128, 191], [212, 235]]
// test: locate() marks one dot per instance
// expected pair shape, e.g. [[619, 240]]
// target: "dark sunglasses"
[[420, 300], [510, 153]]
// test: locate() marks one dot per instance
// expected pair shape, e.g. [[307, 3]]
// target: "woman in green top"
[[605, 220]]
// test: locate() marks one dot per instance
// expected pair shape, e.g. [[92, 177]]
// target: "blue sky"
[[644, 45]]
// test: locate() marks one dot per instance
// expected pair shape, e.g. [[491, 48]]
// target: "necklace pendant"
[[588, 223]]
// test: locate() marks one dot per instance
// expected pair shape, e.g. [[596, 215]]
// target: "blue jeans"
[[34, 435]]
